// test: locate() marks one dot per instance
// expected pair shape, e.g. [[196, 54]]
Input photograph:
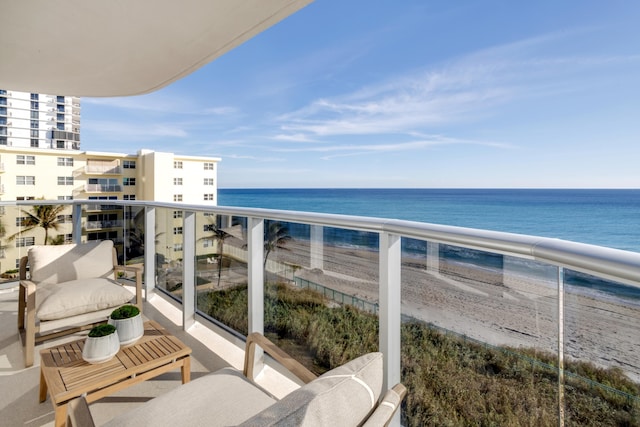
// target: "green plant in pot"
[[128, 321], [101, 344]]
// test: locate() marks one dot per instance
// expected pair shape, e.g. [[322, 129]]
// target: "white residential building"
[[41, 159]]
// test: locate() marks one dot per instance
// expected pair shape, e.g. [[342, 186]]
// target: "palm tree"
[[45, 216], [220, 236], [275, 237]]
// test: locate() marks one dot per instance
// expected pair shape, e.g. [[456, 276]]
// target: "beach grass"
[[451, 381]]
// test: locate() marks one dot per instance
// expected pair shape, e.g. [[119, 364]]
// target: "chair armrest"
[[78, 414], [388, 406], [28, 286], [277, 353], [138, 271]]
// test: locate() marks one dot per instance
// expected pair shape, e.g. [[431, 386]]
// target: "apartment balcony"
[[481, 326], [99, 207], [102, 188], [98, 225], [103, 169]]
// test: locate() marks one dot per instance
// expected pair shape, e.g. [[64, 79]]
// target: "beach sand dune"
[[500, 309]]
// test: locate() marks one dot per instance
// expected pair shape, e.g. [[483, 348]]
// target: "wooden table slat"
[[67, 375]]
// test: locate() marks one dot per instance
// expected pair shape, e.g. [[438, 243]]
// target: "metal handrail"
[[613, 264]]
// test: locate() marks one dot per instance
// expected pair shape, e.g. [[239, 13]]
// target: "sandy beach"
[[499, 309]]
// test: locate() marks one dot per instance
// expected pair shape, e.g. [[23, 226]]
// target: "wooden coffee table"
[[67, 376]]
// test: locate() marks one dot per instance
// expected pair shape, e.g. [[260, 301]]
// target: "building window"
[[177, 181], [20, 220], [128, 181], [128, 164], [34, 105], [207, 243], [208, 166], [60, 117], [35, 142], [60, 108], [3, 140], [65, 218], [35, 115], [208, 197], [177, 214], [177, 197], [25, 160], [25, 180], [34, 96], [177, 164], [60, 99], [35, 124], [208, 181], [65, 180], [129, 197], [177, 247], [59, 144], [68, 238], [25, 198], [60, 126], [65, 197], [65, 161], [22, 242], [34, 133], [177, 230], [208, 227]]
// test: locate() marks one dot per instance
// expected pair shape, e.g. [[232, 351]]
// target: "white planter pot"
[[129, 330], [101, 349]]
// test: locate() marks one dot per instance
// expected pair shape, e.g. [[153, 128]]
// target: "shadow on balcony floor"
[[19, 404]]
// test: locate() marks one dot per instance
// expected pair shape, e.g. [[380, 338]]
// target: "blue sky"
[[417, 94]]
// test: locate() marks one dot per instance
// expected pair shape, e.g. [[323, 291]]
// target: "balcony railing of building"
[[470, 320], [95, 225], [103, 169], [103, 188]]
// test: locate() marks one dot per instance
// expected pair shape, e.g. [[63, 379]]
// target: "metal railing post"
[[390, 310], [149, 251], [255, 247], [561, 399], [317, 247], [188, 269], [76, 216]]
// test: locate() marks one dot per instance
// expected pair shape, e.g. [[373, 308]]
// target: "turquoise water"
[[602, 217]]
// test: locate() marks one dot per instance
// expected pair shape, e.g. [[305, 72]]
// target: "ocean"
[[601, 217]]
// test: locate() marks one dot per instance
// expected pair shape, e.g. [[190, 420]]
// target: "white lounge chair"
[[69, 288]]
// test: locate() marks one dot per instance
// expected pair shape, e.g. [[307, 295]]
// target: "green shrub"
[[451, 381], [125, 312], [102, 330]]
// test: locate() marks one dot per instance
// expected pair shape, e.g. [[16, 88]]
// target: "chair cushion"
[[63, 263], [60, 300], [343, 396], [223, 398]]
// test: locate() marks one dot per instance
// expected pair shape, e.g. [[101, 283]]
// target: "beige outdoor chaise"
[[69, 288], [348, 395]]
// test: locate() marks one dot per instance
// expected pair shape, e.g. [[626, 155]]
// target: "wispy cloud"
[[464, 90]]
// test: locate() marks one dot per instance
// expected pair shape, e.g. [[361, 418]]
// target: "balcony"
[[98, 225], [102, 188], [103, 169], [481, 326]]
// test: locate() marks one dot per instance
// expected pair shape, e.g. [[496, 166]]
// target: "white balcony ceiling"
[[122, 47]]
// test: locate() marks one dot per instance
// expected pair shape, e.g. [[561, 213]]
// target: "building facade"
[[40, 158]]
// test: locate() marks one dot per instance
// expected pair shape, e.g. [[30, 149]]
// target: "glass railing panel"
[[221, 270], [168, 242], [602, 369], [13, 244], [321, 292], [479, 338]]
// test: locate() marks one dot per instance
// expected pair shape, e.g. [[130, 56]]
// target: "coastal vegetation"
[[451, 380]]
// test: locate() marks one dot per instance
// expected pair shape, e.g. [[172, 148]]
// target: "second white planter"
[[129, 330]]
